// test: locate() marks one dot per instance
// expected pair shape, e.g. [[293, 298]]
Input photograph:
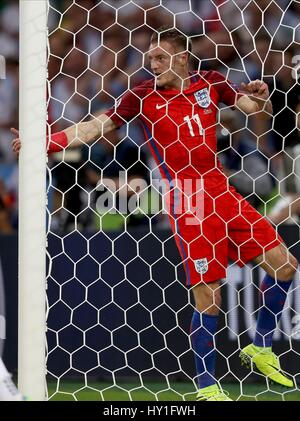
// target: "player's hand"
[[257, 88], [16, 143]]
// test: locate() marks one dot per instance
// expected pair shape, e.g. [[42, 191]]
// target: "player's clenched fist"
[[257, 88], [16, 143]]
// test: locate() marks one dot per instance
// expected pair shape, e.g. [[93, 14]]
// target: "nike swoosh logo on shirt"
[[158, 107]]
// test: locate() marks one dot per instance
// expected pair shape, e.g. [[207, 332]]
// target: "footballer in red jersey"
[[179, 112], [181, 129]]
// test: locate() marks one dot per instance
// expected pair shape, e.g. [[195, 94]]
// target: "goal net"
[[118, 306]]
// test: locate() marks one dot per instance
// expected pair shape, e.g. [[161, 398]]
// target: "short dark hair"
[[173, 36]]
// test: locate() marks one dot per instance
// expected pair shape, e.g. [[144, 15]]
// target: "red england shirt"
[[180, 126]]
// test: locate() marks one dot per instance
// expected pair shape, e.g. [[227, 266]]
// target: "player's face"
[[167, 65]]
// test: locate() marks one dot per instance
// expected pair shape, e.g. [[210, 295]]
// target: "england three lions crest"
[[203, 98], [201, 266]]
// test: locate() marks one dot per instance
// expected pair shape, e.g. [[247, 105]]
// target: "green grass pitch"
[[74, 391]]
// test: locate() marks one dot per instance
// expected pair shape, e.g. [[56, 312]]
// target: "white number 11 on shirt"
[[196, 118]]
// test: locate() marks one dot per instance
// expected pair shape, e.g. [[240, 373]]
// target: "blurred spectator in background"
[[126, 162], [286, 137], [287, 208], [9, 49], [286, 101], [244, 164]]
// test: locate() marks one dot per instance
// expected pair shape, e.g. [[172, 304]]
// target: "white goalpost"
[[32, 199]]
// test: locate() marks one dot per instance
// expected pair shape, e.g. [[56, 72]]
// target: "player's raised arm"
[[74, 136], [125, 109], [256, 100], [89, 131]]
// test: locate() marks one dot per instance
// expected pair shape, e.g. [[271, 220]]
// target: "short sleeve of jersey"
[[227, 90], [127, 107]]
